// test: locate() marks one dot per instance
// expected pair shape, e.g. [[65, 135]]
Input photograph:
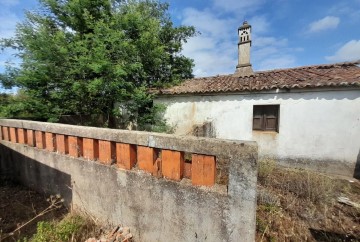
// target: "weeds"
[[268, 198], [294, 205], [74, 227], [314, 187], [265, 169], [55, 201]]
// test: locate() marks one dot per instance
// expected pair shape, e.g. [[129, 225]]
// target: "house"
[[306, 117]]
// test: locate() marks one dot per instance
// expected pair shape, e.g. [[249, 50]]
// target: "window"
[[266, 117]]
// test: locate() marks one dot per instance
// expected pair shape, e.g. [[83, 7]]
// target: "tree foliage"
[[84, 56]]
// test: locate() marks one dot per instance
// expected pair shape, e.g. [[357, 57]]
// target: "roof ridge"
[[333, 75], [345, 63], [206, 77], [356, 62]]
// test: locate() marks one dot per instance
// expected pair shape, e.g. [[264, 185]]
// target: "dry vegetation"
[[299, 205], [26, 215], [19, 205], [293, 205]]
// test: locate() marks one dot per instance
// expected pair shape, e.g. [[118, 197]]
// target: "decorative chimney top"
[[245, 25], [244, 67]]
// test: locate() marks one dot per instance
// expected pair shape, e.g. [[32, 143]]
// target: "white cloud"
[[8, 22], [260, 23], [208, 23], [348, 52], [328, 22], [276, 62], [2, 64], [9, 2], [7, 57], [261, 53], [211, 56], [274, 56], [238, 6], [200, 42], [214, 51], [348, 9], [209, 63], [269, 41], [8, 18]]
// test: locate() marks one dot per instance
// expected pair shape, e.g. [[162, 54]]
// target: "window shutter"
[[271, 114], [266, 117], [258, 118]]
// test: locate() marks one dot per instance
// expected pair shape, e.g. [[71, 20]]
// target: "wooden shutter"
[[266, 117], [258, 118], [271, 117]]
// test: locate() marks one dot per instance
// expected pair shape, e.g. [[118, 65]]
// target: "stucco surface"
[[156, 209], [318, 129]]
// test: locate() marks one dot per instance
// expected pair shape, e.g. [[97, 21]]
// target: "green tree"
[[84, 56], [5, 100]]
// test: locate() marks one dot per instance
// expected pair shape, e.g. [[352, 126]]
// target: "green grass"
[[73, 227]]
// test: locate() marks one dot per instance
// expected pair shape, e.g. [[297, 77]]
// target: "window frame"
[[261, 112]]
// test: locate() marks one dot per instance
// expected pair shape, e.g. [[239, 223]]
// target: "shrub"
[[72, 228]]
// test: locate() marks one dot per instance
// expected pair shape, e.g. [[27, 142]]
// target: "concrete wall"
[[319, 129], [154, 207]]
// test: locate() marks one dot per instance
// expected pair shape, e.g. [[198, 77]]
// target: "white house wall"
[[322, 126]]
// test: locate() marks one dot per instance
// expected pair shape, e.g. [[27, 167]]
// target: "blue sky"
[[286, 33]]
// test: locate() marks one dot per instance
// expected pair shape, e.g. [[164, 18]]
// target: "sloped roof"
[[329, 75]]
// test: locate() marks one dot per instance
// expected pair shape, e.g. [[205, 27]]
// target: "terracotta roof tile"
[[330, 75]]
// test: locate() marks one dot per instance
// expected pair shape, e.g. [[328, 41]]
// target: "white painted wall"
[[317, 125]]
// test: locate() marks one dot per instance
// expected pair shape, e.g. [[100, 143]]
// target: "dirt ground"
[[18, 205], [299, 205], [293, 205]]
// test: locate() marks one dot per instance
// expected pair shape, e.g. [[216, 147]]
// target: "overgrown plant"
[[56, 202], [305, 184], [74, 227], [83, 57], [302, 205]]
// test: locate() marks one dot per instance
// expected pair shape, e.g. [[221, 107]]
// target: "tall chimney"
[[244, 67]]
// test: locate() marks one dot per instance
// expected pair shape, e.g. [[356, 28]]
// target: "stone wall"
[[164, 187]]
